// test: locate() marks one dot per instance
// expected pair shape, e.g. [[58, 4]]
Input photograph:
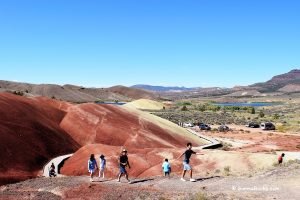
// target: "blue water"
[[112, 103], [250, 104]]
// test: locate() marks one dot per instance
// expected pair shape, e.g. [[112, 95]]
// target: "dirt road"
[[280, 183]]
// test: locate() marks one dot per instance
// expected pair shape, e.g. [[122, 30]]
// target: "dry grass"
[[227, 170], [199, 196]]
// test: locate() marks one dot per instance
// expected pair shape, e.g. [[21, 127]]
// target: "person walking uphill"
[[186, 161], [92, 166], [123, 162]]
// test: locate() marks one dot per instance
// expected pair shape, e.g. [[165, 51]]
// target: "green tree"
[[252, 110], [276, 116], [261, 114]]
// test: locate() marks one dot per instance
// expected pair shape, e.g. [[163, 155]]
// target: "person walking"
[[166, 168], [123, 163], [102, 166], [280, 159], [92, 166], [186, 161]]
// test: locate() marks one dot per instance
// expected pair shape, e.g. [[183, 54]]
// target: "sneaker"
[[192, 180], [129, 181], [91, 180], [182, 179]]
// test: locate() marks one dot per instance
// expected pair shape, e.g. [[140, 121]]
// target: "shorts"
[[91, 170], [186, 166], [167, 173], [102, 169], [123, 170]]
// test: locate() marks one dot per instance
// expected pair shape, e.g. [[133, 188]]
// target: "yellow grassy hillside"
[[145, 104]]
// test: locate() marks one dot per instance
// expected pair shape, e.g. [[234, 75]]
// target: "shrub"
[[261, 114], [227, 170], [226, 146], [252, 110], [19, 93], [281, 128], [199, 196], [275, 164], [276, 116], [184, 108]]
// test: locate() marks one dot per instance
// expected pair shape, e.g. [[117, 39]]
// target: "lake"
[[249, 104]]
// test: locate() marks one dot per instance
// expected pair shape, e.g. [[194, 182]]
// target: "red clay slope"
[[145, 162], [107, 129], [30, 136], [112, 125]]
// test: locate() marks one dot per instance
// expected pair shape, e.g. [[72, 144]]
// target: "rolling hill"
[[281, 81], [77, 94]]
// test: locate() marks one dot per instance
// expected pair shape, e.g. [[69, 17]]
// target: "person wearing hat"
[[102, 166], [123, 162]]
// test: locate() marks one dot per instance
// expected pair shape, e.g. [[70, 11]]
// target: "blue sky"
[[159, 42]]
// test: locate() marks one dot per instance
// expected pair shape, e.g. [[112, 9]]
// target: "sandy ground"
[[279, 183], [246, 139]]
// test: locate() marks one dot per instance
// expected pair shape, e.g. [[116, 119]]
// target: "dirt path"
[[56, 161], [280, 183]]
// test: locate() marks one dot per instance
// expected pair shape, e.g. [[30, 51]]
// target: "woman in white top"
[[102, 166]]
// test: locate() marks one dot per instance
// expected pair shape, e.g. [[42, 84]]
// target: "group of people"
[[124, 162], [93, 166]]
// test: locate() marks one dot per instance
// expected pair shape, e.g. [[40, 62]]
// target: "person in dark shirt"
[[123, 162], [52, 172], [186, 161]]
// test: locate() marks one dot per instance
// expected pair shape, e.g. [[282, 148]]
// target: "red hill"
[[30, 136]]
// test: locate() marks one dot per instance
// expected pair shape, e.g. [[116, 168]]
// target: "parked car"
[[267, 126], [253, 125], [186, 125], [203, 126], [223, 128]]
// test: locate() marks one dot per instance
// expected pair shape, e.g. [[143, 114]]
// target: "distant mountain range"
[[285, 83], [162, 88], [281, 84]]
